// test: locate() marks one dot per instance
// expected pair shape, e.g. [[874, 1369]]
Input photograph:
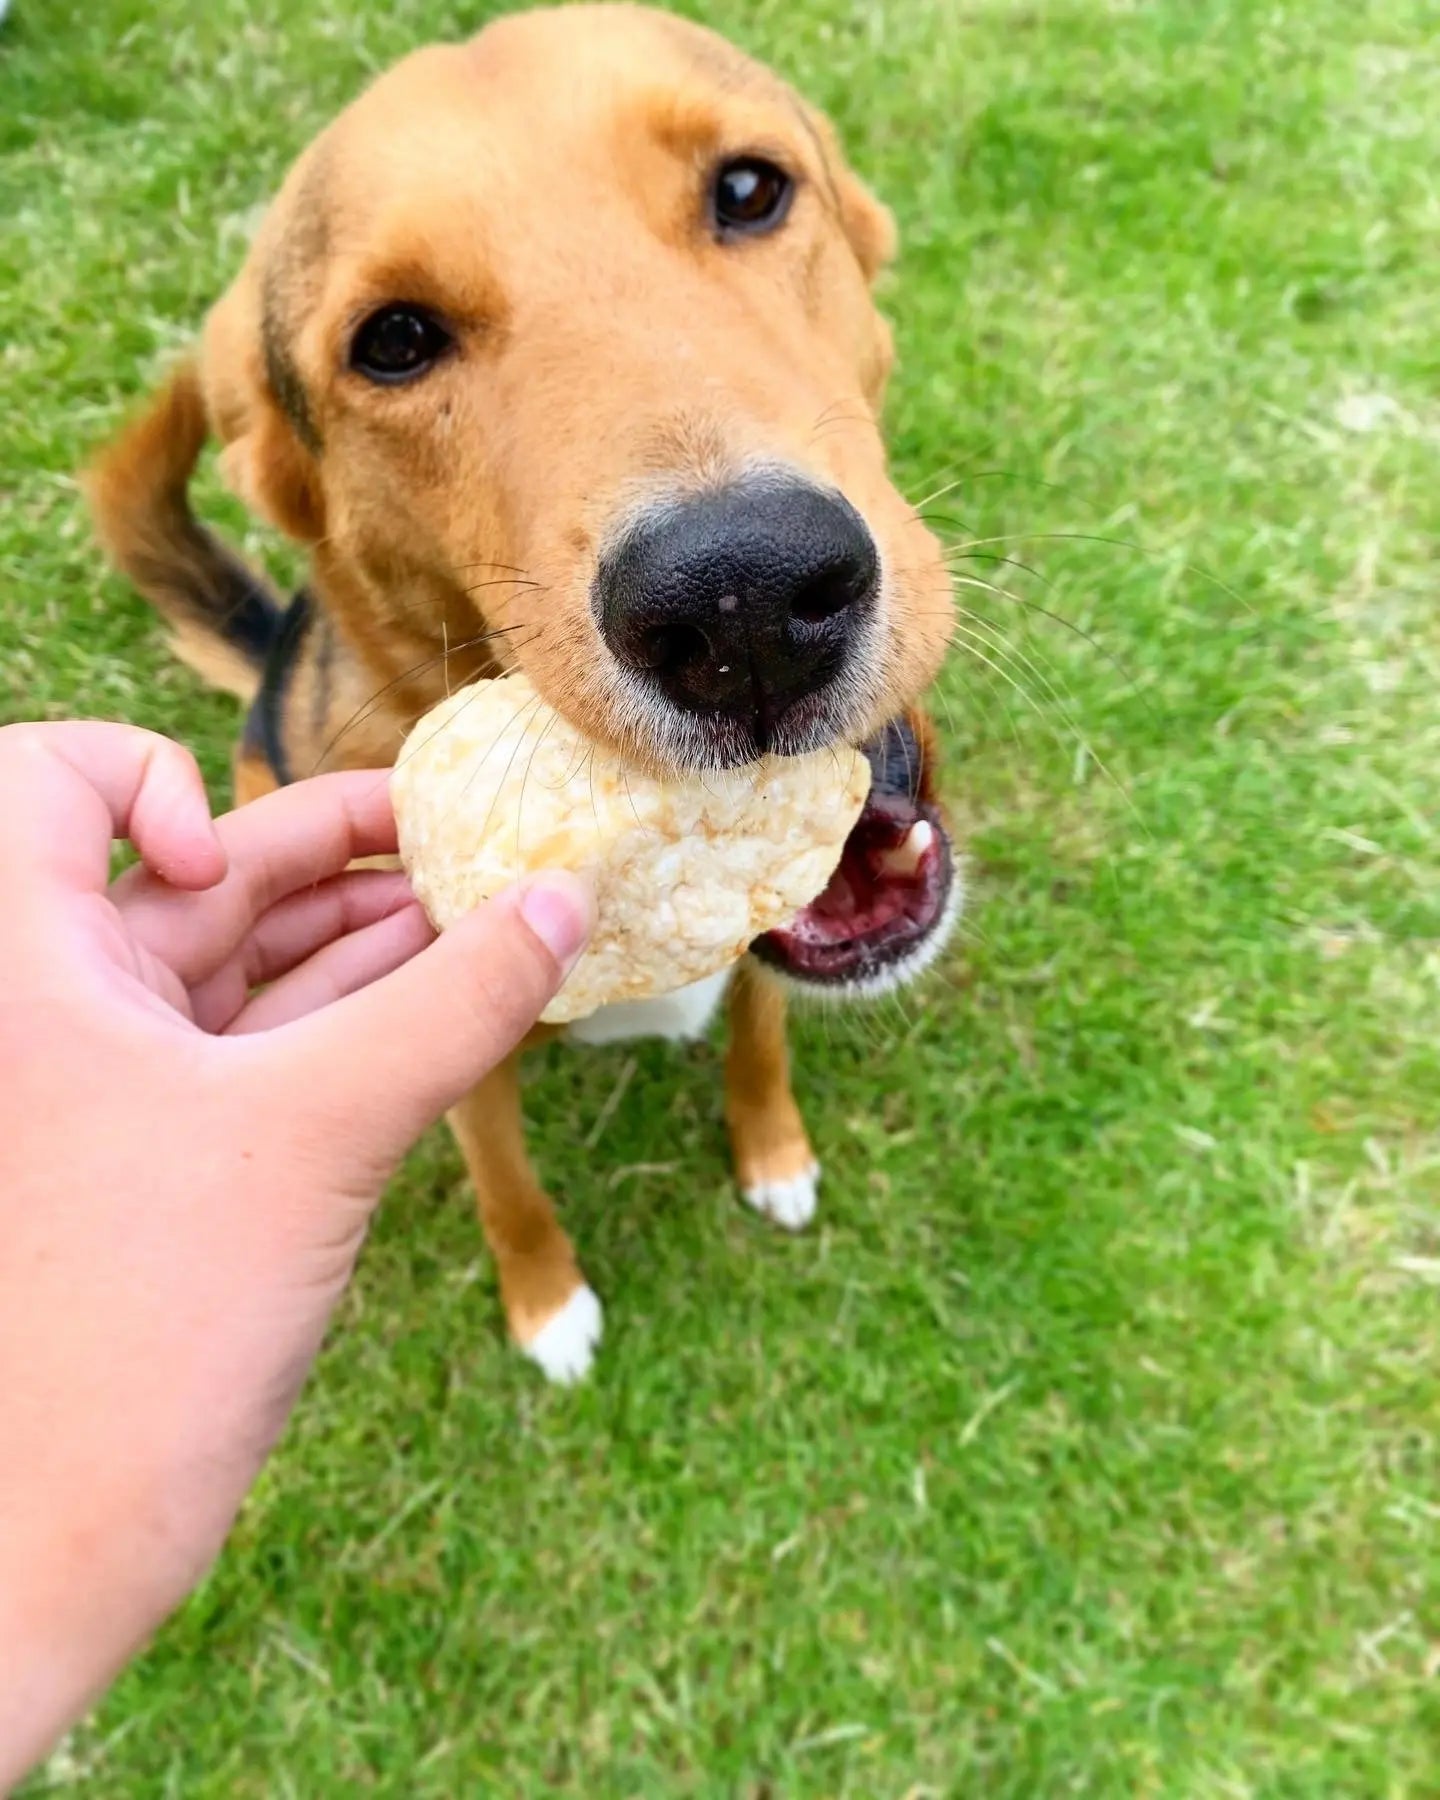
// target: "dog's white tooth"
[[909, 853]]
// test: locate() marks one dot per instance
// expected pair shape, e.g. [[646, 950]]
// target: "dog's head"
[[559, 348]]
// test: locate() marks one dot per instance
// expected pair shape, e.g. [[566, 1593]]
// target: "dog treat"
[[493, 784]]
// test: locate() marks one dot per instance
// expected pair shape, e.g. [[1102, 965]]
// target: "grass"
[[1089, 1444]]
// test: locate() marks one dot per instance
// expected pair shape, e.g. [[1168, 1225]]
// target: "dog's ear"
[[869, 226], [262, 457], [870, 232]]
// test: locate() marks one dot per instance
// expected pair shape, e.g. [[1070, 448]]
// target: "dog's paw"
[[564, 1346], [789, 1201]]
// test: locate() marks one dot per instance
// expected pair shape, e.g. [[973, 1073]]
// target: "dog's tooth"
[[909, 853]]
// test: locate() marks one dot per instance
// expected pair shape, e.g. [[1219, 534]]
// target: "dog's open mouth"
[[890, 904]]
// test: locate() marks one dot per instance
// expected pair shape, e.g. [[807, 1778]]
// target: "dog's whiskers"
[[371, 706], [1051, 685], [834, 416], [521, 720], [1034, 606], [482, 563], [977, 636], [545, 730], [470, 695], [1113, 543], [521, 581], [918, 506]]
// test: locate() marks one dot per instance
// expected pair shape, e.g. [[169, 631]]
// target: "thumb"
[[390, 1059]]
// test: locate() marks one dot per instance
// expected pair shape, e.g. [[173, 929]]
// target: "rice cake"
[[493, 785]]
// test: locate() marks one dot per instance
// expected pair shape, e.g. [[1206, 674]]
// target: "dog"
[[558, 349]]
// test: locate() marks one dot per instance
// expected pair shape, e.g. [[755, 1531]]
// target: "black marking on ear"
[[285, 282], [265, 722], [283, 376], [196, 581]]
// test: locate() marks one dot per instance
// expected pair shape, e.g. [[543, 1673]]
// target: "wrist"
[[83, 1585]]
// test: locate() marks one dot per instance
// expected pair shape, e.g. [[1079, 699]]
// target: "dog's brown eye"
[[750, 195], [397, 343]]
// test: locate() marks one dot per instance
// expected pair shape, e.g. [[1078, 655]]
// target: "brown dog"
[[557, 348]]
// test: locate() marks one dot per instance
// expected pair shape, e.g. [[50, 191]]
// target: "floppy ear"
[[870, 232], [262, 458], [869, 227]]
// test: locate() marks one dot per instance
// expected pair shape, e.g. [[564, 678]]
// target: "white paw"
[[791, 1202], [564, 1346]]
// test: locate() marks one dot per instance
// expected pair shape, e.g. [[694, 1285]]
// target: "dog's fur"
[[540, 188]]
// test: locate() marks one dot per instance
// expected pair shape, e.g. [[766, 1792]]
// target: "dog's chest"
[[683, 1015]]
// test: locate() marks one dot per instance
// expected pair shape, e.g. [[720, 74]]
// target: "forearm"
[[55, 1658], [81, 1590]]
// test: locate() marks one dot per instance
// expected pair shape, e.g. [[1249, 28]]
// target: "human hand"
[[188, 1166]]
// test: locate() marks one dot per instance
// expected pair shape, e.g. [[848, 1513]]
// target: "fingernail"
[[560, 909]]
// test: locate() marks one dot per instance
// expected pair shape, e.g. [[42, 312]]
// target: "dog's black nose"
[[741, 601]]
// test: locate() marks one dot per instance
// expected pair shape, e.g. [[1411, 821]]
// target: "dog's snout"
[[741, 601]]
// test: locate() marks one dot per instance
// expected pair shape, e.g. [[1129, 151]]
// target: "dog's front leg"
[[552, 1313], [774, 1164]]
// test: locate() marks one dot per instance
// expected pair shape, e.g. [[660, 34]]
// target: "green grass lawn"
[[1088, 1445]]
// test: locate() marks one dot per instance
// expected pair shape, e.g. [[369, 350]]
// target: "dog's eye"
[[397, 343], [750, 195]]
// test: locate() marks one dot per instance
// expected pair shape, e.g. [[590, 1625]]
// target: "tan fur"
[[540, 189], [768, 1141], [537, 1266], [137, 496], [253, 778]]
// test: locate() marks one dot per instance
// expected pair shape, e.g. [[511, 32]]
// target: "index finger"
[[69, 790], [285, 841]]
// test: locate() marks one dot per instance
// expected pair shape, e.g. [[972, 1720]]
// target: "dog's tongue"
[[885, 888], [889, 889]]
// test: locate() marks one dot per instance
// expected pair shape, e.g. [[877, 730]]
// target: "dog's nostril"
[[743, 601], [674, 648], [828, 594]]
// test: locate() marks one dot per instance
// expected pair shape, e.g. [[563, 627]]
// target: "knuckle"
[[513, 978], [173, 763], [24, 742], [186, 763]]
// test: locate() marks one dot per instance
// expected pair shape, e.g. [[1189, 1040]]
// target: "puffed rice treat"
[[493, 784]]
